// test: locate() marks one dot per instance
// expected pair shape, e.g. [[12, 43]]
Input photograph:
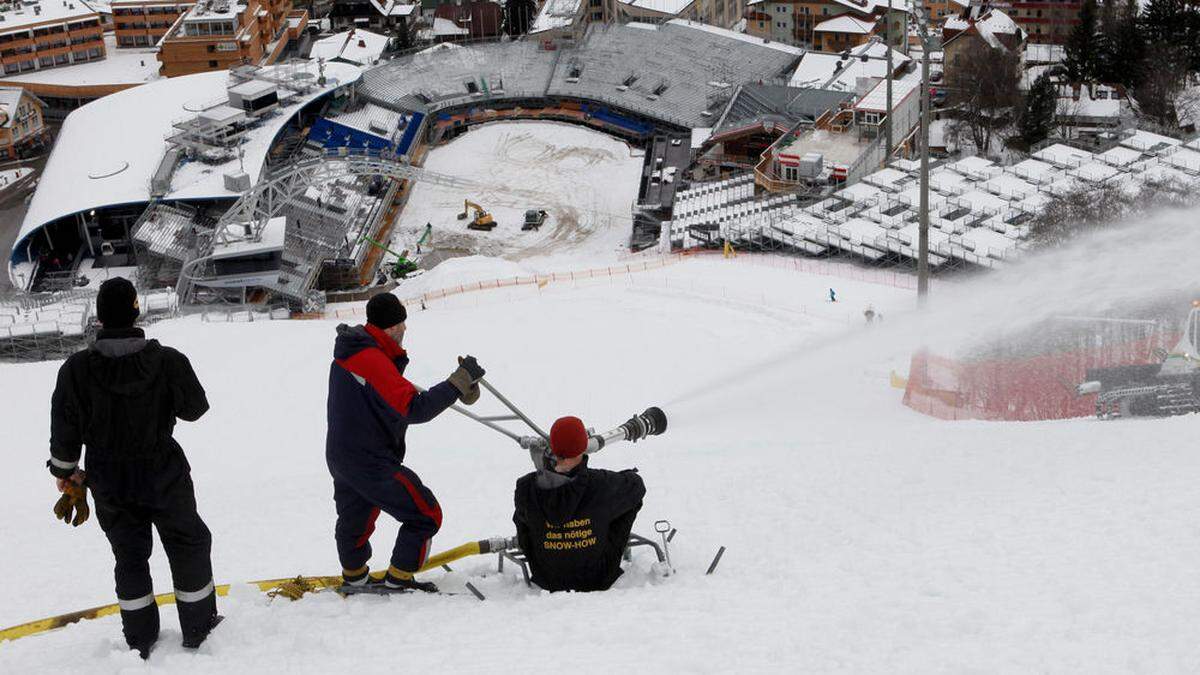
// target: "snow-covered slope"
[[860, 536]]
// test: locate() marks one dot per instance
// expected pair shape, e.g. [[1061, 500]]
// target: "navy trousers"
[[400, 494]]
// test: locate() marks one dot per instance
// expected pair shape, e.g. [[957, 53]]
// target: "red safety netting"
[[1025, 387]]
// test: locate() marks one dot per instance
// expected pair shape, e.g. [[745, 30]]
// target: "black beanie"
[[384, 311], [117, 304]]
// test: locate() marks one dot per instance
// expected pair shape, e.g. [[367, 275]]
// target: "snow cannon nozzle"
[[652, 422]]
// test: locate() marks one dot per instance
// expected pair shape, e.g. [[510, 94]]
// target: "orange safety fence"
[[896, 279], [1020, 388]]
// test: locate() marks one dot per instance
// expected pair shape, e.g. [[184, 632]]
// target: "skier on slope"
[[120, 399], [369, 409], [573, 522]]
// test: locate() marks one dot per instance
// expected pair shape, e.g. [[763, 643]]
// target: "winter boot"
[[401, 581], [194, 640], [358, 577]]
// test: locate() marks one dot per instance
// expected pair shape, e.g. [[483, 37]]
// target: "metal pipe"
[[513, 408]]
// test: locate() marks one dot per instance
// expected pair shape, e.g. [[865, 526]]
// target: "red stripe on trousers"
[[362, 541], [433, 512]]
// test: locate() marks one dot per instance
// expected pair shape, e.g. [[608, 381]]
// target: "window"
[[27, 66], [212, 64], [46, 61], [10, 68], [94, 53], [60, 59]]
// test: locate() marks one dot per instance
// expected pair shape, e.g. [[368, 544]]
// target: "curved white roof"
[[108, 150]]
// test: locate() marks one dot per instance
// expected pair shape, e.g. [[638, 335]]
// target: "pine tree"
[[1037, 117], [1081, 48], [1126, 50]]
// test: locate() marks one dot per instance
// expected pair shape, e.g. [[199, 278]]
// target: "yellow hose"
[[264, 585]]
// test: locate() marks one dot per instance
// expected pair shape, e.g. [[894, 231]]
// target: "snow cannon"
[[650, 422]]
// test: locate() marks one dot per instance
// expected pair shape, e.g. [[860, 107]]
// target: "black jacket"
[[573, 528], [120, 398]]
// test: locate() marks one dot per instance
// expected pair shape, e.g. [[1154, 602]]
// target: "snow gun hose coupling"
[[650, 422]]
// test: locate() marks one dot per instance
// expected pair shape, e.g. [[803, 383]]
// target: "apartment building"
[[38, 35], [1047, 22], [142, 23], [219, 34]]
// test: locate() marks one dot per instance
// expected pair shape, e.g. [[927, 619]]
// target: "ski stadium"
[[856, 477]]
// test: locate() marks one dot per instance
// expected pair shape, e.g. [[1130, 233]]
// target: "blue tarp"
[[606, 115], [331, 134]]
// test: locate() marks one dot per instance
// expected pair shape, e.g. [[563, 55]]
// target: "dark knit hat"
[[117, 304], [384, 311], [568, 437]]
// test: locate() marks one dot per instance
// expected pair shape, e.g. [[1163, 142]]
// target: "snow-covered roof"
[[1089, 103], [395, 7], [254, 88], [875, 100], [19, 15], [119, 66], [10, 98], [213, 10], [99, 160], [671, 7], [555, 14], [357, 45], [845, 24], [1037, 52], [990, 26], [830, 71]]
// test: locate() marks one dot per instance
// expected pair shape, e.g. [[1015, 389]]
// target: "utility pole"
[[887, 31], [923, 239]]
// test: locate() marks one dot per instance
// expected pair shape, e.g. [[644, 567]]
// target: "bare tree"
[[984, 86], [1093, 208]]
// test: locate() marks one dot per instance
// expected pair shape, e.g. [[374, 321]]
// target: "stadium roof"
[[684, 74]]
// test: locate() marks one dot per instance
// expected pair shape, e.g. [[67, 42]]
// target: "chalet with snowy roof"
[[979, 27], [359, 47], [480, 18], [814, 24], [395, 18], [21, 124], [842, 32]]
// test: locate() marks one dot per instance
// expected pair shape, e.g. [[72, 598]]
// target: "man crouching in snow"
[[573, 523], [369, 409]]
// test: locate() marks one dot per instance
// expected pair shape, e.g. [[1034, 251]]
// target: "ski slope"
[[860, 535]]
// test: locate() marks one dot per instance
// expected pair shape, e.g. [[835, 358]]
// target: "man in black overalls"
[[120, 399], [573, 522]]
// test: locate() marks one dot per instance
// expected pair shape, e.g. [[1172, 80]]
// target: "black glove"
[[465, 381], [469, 364]]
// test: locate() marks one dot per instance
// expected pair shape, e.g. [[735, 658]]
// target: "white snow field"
[[861, 536], [586, 181]]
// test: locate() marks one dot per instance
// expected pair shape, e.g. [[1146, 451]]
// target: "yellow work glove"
[[72, 506]]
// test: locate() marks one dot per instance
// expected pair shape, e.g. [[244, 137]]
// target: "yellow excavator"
[[482, 220]]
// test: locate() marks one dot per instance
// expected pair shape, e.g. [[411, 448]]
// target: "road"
[[12, 212]]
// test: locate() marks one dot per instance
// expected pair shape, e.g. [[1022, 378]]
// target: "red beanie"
[[568, 437]]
